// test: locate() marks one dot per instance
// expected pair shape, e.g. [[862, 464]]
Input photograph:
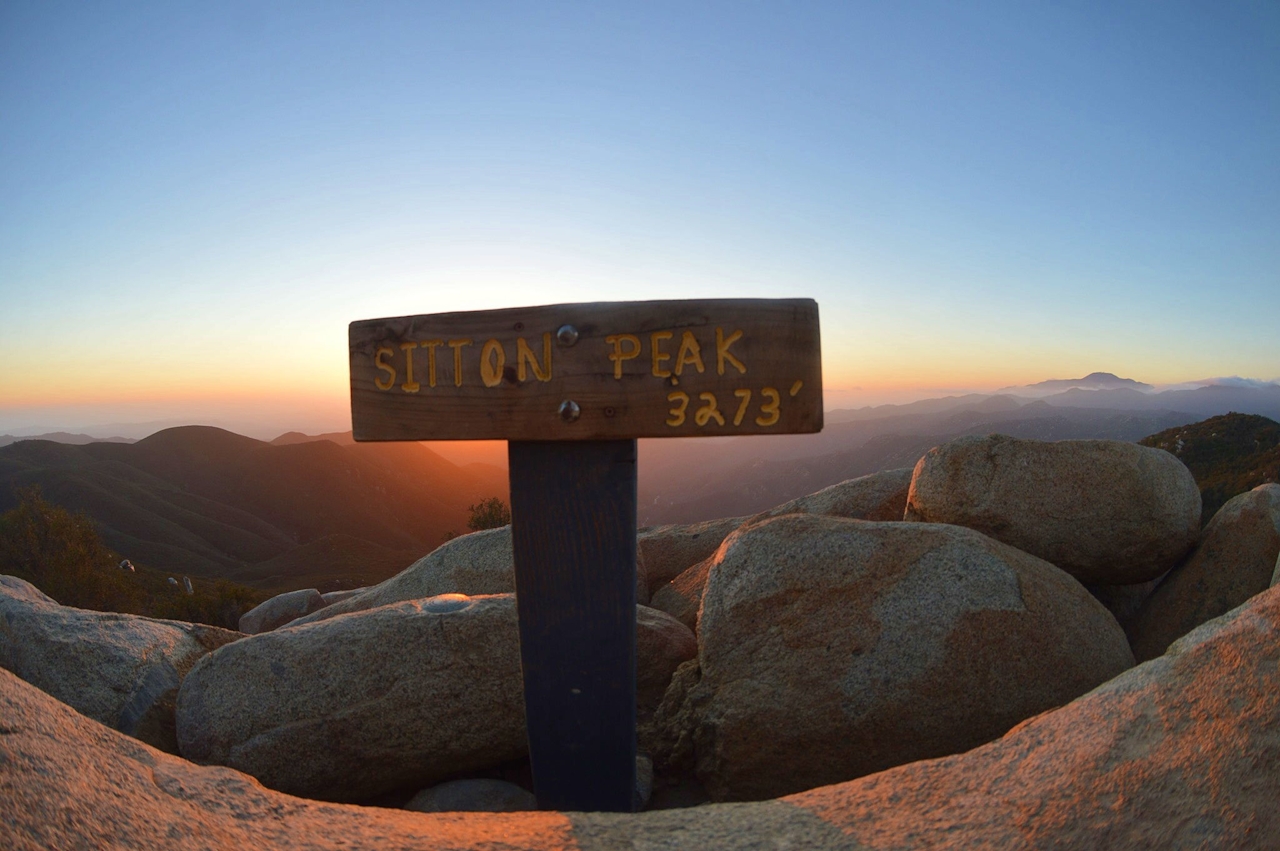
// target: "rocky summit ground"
[[820, 676], [1180, 752]]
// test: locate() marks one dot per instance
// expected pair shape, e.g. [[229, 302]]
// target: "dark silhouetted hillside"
[[1228, 455], [207, 502], [342, 438]]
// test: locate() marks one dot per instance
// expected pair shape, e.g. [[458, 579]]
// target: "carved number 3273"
[[707, 407]]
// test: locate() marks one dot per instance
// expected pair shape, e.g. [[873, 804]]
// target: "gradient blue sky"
[[197, 198]]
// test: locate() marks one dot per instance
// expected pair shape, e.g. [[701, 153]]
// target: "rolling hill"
[[1228, 455], [206, 502]]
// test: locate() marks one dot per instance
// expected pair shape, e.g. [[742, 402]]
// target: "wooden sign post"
[[571, 387]]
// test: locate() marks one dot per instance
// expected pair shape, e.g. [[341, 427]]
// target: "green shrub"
[[489, 514]]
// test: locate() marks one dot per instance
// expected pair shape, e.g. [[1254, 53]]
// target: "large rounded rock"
[[331, 597], [1235, 560], [20, 590], [878, 496], [670, 550], [476, 564], [1105, 511], [351, 707], [122, 670], [404, 695], [662, 645], [1181, 752], [835, 648], [682, 597], [280, 610]]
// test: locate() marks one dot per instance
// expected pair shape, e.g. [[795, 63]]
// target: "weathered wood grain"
[[573, 512], [636, 369]]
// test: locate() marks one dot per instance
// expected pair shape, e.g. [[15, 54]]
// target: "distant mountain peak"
[[1092, 381]]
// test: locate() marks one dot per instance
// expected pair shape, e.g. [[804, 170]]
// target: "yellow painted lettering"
[[457, 346], [390, 381], [723, 354], [618, 355], [524, 355], [690, 353], [676, 414], [409, 386], [492, 360], [659, 356], [769, 412], [708, 411], [430, 346], [795, 388], [745, 396]]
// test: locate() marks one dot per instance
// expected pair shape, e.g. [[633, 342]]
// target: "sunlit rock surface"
[[1106, 511], [1182, 752], [122, 670], [1235, 560], [834, 648]]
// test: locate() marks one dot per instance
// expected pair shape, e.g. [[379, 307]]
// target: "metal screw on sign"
[[620, 371], [569, 411]]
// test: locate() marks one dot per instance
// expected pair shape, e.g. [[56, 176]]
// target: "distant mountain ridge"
[[684, 481], [64, 437], [680, 480], [1205, 399], [1092, 381], [342, 438]]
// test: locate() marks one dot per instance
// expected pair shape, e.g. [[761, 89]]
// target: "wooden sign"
[[590, 371], [571, 387]]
